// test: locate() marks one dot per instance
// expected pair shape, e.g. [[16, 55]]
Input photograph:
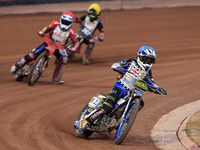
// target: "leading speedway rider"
[[130, 70], [60, 31]]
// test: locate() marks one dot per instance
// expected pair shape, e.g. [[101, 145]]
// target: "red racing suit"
[[58, 35]]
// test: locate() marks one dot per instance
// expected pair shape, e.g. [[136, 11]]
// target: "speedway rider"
[[131, 70], [92, 22], [60, 31]]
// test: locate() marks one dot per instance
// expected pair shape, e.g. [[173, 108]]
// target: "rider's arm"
[[82, 18], [122, 66], [49, 28], [152, 87], [101, 30], [126, 61], [78, 20], [76, 41], [151, 77]]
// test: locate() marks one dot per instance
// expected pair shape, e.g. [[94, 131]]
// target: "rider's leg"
[[27, 58], [62, 61], [108, 105], [88, 51]]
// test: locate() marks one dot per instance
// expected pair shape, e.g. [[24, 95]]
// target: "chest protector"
[[134, 74], [60, 36], [91, 25]]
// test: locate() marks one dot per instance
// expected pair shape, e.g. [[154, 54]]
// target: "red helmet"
[[66, 20]]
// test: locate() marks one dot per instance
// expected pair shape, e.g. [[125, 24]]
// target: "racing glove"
[[76, 20], [41, 33], [101, 37], [115, 65], [72, 49]]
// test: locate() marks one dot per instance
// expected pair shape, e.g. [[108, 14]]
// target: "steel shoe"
[[58, 81], [85, 61], [13, 69]]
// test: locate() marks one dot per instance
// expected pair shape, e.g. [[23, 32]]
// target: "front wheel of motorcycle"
[[86, 133], [127, 121], [37, 69]]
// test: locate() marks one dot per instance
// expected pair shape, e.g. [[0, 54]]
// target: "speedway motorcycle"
[[33, 70], [120, 119]]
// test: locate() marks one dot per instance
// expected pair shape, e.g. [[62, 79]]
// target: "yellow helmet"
[[94, 10]]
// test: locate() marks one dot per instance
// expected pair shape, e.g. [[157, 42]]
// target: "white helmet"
[[66, 20]]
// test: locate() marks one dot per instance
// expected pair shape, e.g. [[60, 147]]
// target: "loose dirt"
[[41, 117]]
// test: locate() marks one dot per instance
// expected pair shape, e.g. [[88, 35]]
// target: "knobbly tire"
[[86, 133], [125, 126], [37, 69]]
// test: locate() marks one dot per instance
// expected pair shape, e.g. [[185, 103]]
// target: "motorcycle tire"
[[86, 133], [127, 122], [37, 69]]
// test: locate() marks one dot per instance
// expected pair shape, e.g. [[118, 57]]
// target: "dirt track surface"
[[41, 117]]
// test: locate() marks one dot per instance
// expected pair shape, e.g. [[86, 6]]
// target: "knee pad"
[[32, 55], [111, 99], [91, 45], [29, 57]]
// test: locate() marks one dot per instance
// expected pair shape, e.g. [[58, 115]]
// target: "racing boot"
[[17, 66], [85, 60], [26, 59], [58, 73], [87, 53], [57, 81], [14, 69]]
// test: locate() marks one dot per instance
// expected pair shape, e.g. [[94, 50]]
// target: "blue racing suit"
[[133, 77]]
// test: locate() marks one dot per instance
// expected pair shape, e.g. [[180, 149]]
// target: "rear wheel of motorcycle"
[[37, 69], [127, 122], [86, 133]]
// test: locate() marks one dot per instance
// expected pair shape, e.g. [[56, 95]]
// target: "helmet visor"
[[92, 13], [66, 22], [147, 60]]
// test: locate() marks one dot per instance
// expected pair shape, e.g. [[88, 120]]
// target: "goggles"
[[147, 60], [66, 22]]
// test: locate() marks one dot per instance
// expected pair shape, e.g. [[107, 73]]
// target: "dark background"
[[25, 2]]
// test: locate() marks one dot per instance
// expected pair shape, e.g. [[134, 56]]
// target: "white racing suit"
[[92, 25]]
